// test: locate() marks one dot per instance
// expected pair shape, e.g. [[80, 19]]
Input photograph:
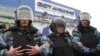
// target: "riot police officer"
[[86, 38], [60, 38], [23, 39]]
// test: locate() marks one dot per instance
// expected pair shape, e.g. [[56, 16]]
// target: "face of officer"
[[24, 22], [24, 15], [60, 29], [85, 23]]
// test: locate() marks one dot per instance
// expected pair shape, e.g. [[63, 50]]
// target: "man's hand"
[[33, 50], [15, 51], [46, 44], [79, 45]]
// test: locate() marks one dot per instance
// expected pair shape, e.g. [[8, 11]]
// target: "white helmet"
[[85, 16], [24, 11]]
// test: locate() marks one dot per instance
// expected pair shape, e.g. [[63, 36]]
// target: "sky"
[[90, 6]]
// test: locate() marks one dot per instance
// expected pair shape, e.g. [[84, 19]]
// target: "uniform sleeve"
[[98, 39], [4, 50], [75, 39], [45, 51]]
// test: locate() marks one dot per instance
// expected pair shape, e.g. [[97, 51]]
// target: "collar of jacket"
[[30, 29]]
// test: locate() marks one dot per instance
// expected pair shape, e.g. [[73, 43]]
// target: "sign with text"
[[42, 6]]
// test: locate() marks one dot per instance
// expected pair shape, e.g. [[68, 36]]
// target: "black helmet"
[[57, 22]]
